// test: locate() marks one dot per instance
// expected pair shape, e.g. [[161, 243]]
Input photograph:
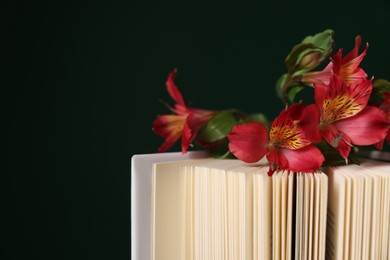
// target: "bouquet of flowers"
[[350, 110]]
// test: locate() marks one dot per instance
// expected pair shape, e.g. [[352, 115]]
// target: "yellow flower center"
[[287, 136], [337, 108]]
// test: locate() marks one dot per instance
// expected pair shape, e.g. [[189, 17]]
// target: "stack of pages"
[[194, 207]]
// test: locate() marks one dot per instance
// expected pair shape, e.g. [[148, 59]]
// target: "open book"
[[194, 207]]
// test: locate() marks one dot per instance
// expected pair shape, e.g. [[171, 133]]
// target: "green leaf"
[[286, 89], [221, 152], [323, 41], [293, 91], [281, 87], [219, 149], [310, 52], [381, 84], [218, 127], [293, 57], [379, 88]]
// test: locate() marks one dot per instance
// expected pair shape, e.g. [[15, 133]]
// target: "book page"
[[141, 198], [367, 210], [290, 215], [306, 214], [257, 247], [299, 216], [284, 201], [353, 212], [347, 219], [166, 211], [380, 216], [262, 186], [323, 214], [316, 217], [309, 244], [276, 215], [336, 215]]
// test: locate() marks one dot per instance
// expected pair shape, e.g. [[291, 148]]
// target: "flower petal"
[[368, 127], [166, 124], [348, 67], [276, 160], [192, 125], [318, 77], [353, 54], [341, 100], [248, 141], [170, 127], [173, 90], [186, 138], [296, 110], [339, 140], [306, 159], [285, 132], [309, 123], [320, 93], [379, 145]]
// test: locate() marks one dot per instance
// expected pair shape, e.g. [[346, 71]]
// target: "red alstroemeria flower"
[[385, 107], [346, 68], [185, 123], [341, 115], [286, 148]]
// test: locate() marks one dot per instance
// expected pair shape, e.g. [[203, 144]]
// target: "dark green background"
[[82, 87]]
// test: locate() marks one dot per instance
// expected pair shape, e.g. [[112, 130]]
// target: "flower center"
[[337, 108], [286, 136]]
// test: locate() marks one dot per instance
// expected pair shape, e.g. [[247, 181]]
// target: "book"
[[195, 207]]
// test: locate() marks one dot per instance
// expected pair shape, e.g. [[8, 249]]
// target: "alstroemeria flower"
[[385, 107], [185, 123], [346, 68], [341, 115], [285, 149]]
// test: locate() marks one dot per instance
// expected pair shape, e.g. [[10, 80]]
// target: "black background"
[[82, 84]]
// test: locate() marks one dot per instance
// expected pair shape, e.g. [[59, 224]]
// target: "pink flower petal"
[[337, 61], [295, 111], [277, 161], [248, 141], [379, 145], [307, 159], [341, 100], [169, 141], [166, 124], [339, 140], [355, 51], [192, 125], [348, 67], [320, 93], [318, 77], [170, 127], [173, 90], [309, 123], [368, 127]]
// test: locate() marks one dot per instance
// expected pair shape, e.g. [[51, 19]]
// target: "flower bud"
[[310, 60]]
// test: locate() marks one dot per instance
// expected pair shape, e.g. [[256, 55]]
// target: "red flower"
[[346, 68], [385, 107], [185, 123], [341, 115], [286, 148]]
